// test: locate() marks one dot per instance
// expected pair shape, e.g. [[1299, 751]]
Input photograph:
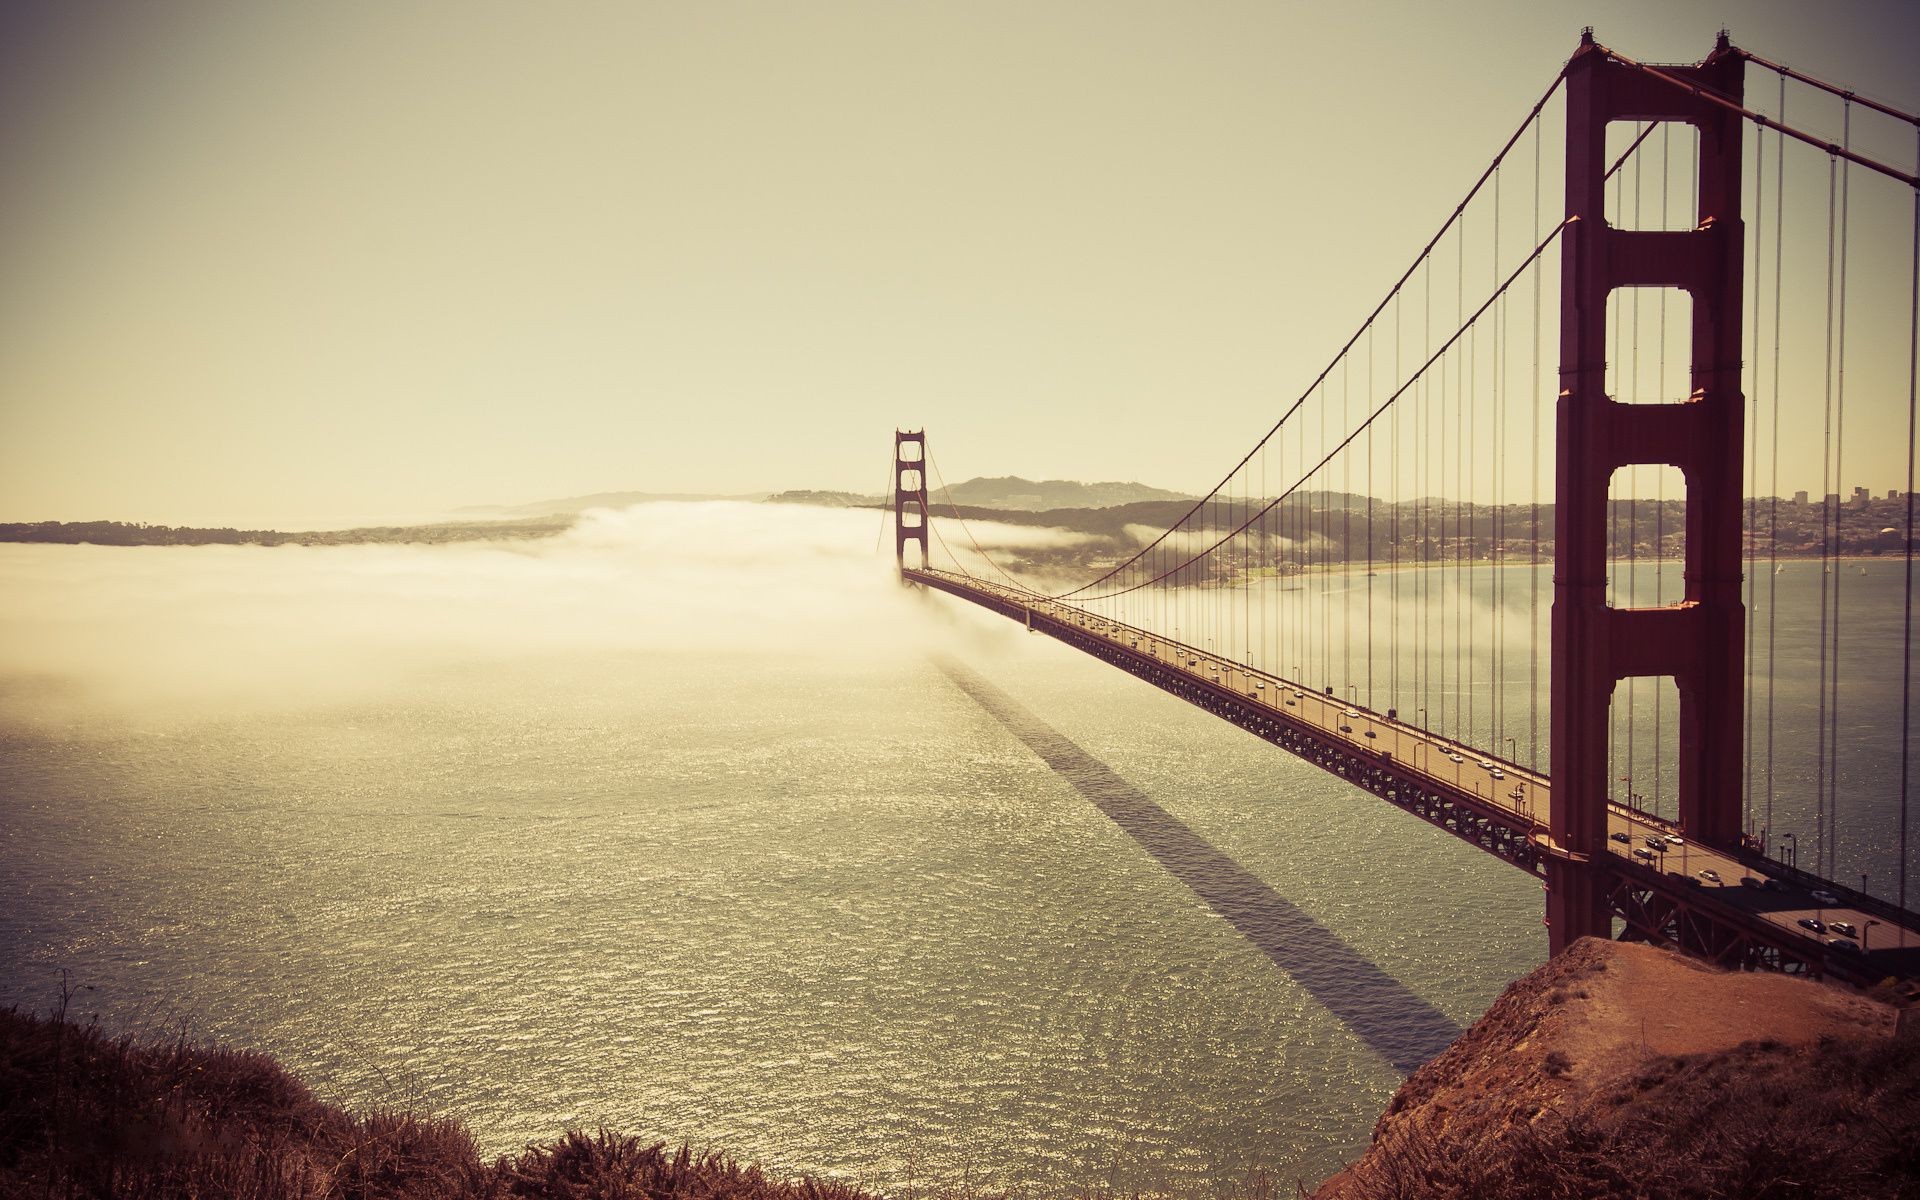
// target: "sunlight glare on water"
[[673, 825]]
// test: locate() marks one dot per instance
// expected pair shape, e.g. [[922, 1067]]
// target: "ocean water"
[[685, 825]]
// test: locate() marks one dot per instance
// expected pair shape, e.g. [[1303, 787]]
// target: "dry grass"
[[87, 1115], [1834, 1121]]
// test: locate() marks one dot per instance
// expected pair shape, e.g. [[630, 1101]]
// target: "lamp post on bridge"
[[1793, 851]]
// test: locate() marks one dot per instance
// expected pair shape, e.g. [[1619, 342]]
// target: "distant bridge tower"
[[909, 494], [1698, 640]]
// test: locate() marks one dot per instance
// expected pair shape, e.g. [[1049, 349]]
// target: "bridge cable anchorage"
[[1183, 565], [1832, 149]]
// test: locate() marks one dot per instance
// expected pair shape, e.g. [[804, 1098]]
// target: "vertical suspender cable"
[[1496, 543], [1773, 580], [1460, 485], [1753, 477], [1369, 485], [1906, 624], [1633, 516], [1826, 535], [1660, 480], [1346, 534], [1535, 402], [1839, 482], [1392, 544]]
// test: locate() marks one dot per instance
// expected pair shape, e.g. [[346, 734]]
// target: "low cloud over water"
[[248, 626]]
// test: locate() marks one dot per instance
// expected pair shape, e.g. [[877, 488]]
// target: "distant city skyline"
[[304, 265]]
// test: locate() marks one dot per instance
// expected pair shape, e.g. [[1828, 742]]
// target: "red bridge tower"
[[909, 494], [1698, 640]]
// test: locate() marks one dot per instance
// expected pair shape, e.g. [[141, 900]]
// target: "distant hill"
[[1027, 495], [829, 499], [575, 505], [133, 533]]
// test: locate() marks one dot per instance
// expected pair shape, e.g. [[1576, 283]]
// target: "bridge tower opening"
[[1698, 640], [909, 494]]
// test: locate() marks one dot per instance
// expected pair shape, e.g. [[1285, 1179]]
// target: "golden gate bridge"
[[1370, 542]]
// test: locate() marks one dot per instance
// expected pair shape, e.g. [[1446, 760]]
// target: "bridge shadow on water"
[[1399, 1025]]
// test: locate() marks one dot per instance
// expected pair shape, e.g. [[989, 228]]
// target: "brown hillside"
[[1620, 1070]]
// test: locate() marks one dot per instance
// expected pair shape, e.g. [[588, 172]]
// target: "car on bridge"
[[1843, 928], [1643, 854], [1844, 945], [1621, 837], [1812, 924], [1824, 897], [1709, 874], [1455, 758]]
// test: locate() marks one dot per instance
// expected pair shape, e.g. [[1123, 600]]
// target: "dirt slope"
[[1623, 1070]]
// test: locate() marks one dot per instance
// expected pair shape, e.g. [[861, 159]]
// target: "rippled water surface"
[[787, 891]]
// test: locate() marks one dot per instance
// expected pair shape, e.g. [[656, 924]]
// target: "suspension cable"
[[968, 529], [1379, 308], [1713, 97], [1830, 89], [1530, 259]]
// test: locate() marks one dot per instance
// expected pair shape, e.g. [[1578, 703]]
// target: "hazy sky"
[[325, 262]]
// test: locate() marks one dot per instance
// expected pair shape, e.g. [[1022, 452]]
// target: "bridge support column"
[[909, 494], [1699, 640]]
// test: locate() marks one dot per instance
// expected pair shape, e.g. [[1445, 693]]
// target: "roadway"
[[1522, 794]]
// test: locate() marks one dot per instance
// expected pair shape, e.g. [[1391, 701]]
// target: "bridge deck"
[[1666, 884]]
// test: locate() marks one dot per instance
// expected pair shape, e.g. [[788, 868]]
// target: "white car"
[[1455, 758], [1826, 898]]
